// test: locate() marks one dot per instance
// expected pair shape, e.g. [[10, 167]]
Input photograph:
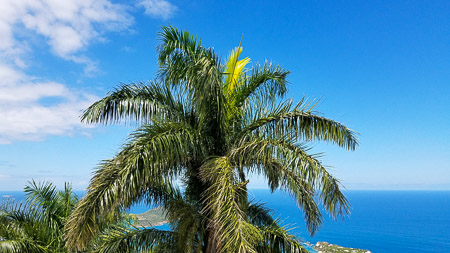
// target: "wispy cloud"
[[6, 164], [23, 115], [158, 8], [2, 176], [67, 27], [17, 182]]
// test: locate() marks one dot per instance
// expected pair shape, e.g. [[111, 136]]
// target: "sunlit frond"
[[234, 69]]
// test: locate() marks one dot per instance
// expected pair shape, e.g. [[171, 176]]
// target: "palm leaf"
[[234, 69], [278, 239], [142, 170], [267, 82], [286, 119], [136, 102], [234, 232], [120, 239], [289, 166]]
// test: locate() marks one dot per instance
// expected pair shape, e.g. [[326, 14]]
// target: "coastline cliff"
[[325, 247]]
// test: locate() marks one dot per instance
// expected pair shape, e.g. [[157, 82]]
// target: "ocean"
[[381, 221]]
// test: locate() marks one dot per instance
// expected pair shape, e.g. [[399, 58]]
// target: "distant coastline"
[[377, 222], [156, 217]]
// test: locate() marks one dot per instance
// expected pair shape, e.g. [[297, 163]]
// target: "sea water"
[[381, 221]]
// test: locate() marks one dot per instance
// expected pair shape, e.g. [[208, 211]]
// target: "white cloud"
[[32, 108], [23, 115], [158, 8], [90, 66], [68, 26]]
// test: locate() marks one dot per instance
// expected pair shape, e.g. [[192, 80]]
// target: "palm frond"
[[184, 62], [330, 194], [234, 231], [20, 245], [142, 170], [259, 215], [174, 41], [288, 166], [121, 239], [278, 239], [51, 207], [42, 194], [286, 119], [135, 102], [22, 229], [186, 219], [67, 199], [234, 69], [171, 142], [269, 79]]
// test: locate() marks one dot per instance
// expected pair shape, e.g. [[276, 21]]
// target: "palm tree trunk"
[[212, 242], [194, 192]]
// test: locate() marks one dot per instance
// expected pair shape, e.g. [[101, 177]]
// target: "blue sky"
[[380, 67]]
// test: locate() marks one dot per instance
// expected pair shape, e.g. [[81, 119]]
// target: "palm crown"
[[37, 224], [208, 125]]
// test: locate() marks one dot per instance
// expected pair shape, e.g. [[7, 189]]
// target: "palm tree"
[[209, 125], [37, 224]]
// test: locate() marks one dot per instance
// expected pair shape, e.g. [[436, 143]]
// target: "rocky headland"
[[151, 218], [325, 247]]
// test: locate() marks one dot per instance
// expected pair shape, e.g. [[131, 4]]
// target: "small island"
[[325, 247], [151, 218]]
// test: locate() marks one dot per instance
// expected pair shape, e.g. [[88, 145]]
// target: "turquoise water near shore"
[[381, 221]]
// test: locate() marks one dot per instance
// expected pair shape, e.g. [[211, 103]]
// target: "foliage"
[[209, 125], [37, 224]]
